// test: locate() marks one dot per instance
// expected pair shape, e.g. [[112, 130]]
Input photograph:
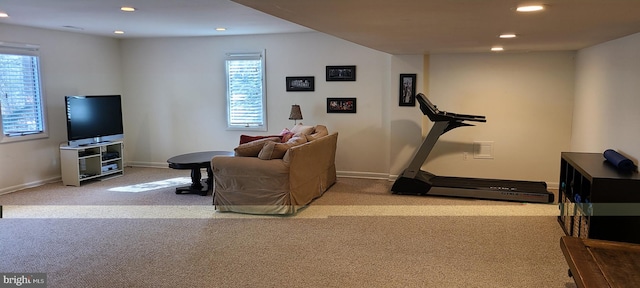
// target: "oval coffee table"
[[194, 162]]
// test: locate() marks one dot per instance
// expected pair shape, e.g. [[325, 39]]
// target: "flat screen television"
[[93, 119]]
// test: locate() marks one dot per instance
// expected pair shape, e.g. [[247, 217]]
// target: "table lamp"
[[296, 114]]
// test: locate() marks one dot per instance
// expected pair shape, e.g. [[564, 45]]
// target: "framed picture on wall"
[[341, 73], [407, 95], [300, 83], [341, 105]]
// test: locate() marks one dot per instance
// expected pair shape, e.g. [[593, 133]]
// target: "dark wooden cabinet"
[[597, 201]]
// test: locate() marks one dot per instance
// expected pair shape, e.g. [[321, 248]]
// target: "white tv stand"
[[91, 162]]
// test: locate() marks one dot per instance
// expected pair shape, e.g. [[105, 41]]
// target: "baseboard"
[[11, 189], [346, 174], [363, 175], [147, 164]]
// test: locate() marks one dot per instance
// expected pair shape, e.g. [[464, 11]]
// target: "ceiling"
[[154, 18], [396, 27]]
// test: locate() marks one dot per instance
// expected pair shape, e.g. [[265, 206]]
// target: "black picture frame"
[[300, 83], [341, 105], [407, 93], [341, 73]]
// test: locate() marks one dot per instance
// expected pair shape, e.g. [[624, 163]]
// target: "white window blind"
[[21, 104], [246, 93]]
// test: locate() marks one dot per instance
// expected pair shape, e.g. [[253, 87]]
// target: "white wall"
[[174, 93], [175, 96], [405, 122], [527, 99], [607, 98], [71, 64], [175, 103]]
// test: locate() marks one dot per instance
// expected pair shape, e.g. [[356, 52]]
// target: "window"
[[246, 92], [21, 103]]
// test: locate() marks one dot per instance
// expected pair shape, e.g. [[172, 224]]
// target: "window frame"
[[33, 51], [252, 56]]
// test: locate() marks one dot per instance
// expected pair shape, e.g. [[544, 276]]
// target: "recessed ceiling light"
[[118, 32], [3, 15], [497, 48], [530, 8], [508, 35], [221, 29], [127, 9]]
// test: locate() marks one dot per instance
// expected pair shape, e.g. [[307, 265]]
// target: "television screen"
[[93, 117]]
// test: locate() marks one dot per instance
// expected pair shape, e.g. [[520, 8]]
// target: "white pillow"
[[302, 129]]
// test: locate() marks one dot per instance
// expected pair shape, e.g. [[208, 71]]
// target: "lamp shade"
[[296, 114]]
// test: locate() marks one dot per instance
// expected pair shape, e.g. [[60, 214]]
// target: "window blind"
[[20, 95], [245, 91]]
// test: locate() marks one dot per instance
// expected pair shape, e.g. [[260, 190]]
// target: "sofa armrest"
[[322, 155], [312, 167]]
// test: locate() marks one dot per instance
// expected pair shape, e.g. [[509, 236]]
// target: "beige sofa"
[[280, 182]]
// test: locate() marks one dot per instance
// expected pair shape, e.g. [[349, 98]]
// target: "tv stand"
[[98, 161]]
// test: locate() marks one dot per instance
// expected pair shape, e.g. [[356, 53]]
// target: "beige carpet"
[[356, 235]]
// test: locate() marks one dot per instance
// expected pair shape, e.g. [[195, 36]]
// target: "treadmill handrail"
[[435, 115]]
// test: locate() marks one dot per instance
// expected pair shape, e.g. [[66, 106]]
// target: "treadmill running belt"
[[489, 184]]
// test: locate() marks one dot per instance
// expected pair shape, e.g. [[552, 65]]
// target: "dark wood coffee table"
[[600, 263], [195, 162]]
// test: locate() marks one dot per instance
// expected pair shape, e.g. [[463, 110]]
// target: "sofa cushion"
[[302, 129], [273, 150], [252, 149]]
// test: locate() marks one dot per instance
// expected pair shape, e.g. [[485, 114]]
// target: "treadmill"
[[414, 181]]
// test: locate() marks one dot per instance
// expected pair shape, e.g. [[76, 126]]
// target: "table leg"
[[196, 176], [196, 184], [209, 178]]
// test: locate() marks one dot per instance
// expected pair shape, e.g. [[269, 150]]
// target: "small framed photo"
[[341, 105], [341, 73], [300, 83], [407, 90]]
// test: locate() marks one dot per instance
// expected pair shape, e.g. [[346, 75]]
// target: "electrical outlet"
[[465, 156]]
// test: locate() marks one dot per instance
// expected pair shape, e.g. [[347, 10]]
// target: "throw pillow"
[[252, 149], [285, 131], [287, 136], [273, 150], [302, 129], [297, 140]]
